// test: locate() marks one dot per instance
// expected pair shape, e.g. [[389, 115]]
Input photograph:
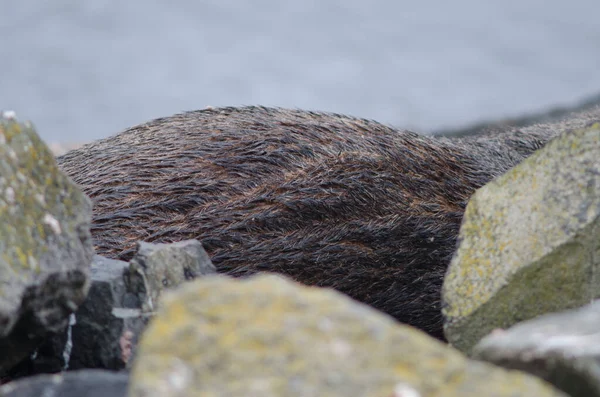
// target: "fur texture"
[[326, 199]]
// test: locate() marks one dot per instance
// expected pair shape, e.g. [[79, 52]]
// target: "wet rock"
[[563, 348], [45, 242], [107, 326], [109, 322], [122, 299], [103, 332], [529, 241], [85, 383], [267, 336]]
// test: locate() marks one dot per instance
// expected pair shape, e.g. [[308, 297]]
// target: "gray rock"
[[104, 331], [267, 336], [111, 320], [85, 383], [529, 241], [156, 267], [563, 348], [45, 242], [108, 325]]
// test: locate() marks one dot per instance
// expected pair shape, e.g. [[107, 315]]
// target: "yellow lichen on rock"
[[527, 240], [45, 242], [267, 336]]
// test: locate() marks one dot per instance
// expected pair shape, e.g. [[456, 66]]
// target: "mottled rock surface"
[[158, 266], [85, 383], [45, 242], [109, 323], [529, 241], [107, 326], [267, 336], [563, 348], [104, 330]]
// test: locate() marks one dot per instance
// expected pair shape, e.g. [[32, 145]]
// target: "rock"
[[107, 326], [109, 323], [45, 242], [563, 348], [267, 336], [85, 383], [157, 266], [529, 241]]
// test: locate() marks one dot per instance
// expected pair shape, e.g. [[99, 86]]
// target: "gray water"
[[85, 69]]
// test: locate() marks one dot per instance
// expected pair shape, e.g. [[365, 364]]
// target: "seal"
[[326, 199]]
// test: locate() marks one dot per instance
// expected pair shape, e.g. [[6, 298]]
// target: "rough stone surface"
[[267, 336], [104, 331], [45, 242], [529, 241], [107, 326], [157, 266], [109, 323], [563, 348], [86, 383]]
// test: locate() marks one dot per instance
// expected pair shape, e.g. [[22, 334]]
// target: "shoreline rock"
[[562, 348], [45, 242], [527, 242], [268, 336]]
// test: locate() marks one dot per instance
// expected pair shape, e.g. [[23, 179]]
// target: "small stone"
[[9, 114]]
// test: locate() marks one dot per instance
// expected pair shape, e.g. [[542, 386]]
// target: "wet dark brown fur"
[[327, 199]]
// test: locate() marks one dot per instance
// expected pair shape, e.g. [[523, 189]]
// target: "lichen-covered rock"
[[45, 242], [104, 330], [85, 383], [267, 336], [563, 348], [158, 266], [529, 241]]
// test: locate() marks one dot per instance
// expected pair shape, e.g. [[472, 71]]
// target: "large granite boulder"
[[563, 348], [529, 241], [267, 336], [45, 242]]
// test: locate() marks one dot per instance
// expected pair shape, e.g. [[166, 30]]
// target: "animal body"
[[326, 199]]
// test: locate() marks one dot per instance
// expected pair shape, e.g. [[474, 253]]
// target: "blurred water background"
[[83, 70]]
